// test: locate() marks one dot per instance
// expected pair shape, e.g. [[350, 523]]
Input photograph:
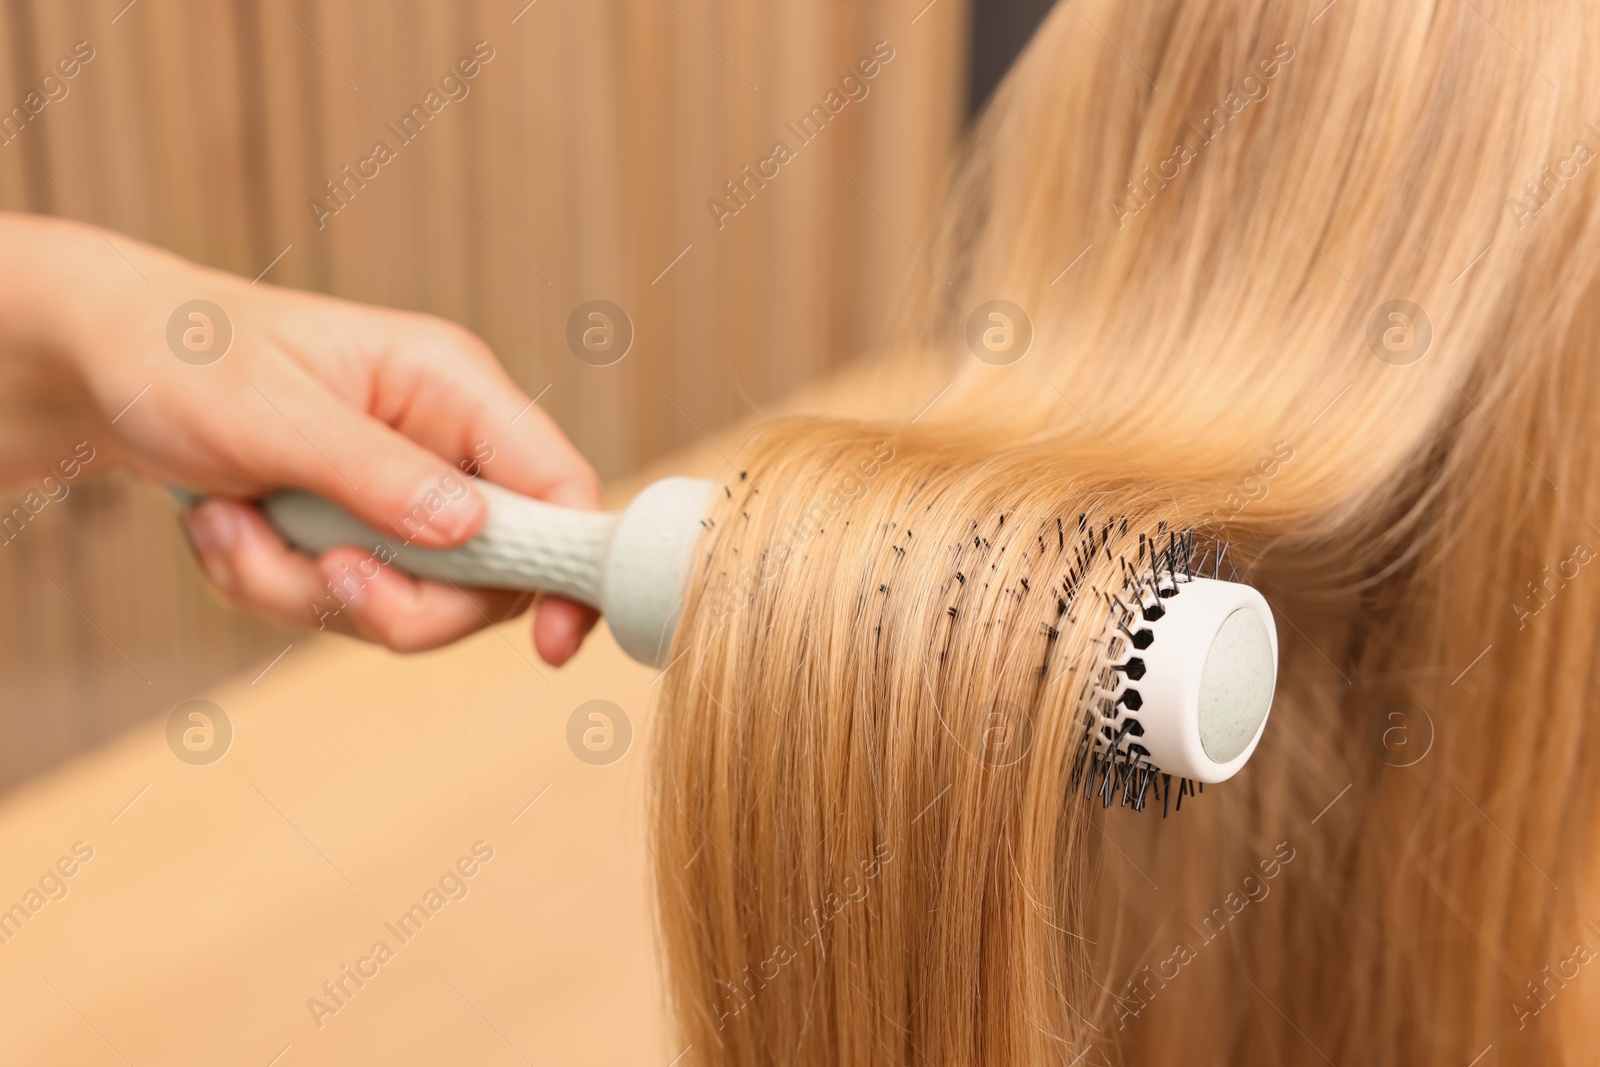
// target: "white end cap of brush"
[[631, 565], [1210, 666], [652, 550]]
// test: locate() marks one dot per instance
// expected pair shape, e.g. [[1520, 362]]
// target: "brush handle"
[[632, 565], [524, 543]]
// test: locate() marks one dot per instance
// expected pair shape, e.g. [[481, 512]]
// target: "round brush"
[[1186, 694]]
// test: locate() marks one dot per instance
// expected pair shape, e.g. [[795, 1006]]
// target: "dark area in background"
[[1000, 30]]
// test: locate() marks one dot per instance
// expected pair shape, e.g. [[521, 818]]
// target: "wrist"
[[76, 298], [45, 401], [42, 269]]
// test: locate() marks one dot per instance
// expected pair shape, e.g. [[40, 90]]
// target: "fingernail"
[[211, 528], [448, 514], [212, 531]]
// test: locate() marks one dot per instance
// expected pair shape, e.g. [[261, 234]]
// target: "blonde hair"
[[1347, 328]]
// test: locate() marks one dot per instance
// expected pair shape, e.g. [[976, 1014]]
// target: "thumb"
[[378, 475]]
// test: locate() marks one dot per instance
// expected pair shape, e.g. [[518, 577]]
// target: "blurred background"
[[578, 166]]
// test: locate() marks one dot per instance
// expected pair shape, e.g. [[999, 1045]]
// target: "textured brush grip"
[[631, 565], [524, 544]]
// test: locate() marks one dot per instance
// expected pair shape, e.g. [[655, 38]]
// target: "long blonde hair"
[[1317, 284]]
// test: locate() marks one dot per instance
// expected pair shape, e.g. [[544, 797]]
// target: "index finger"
[[478, 417]]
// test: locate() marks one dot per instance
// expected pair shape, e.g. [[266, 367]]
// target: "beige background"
[[578, 167], [220, 897]]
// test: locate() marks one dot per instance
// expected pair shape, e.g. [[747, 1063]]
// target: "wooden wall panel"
[[578, 166]]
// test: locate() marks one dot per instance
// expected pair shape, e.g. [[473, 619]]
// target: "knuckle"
[[456, 336]]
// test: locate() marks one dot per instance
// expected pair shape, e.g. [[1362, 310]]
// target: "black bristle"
[[1081, 760], [1119, 768], [1129, 778], [1127, 725]]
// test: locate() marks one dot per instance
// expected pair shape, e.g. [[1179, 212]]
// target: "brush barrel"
[[630, 565]]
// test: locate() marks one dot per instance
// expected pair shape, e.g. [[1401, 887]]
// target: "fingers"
[[346, 590], [393, 433], [481, 416], [393, 484], [559, 628], [405, 614], [540, 462], [502, 436], [251, 566]]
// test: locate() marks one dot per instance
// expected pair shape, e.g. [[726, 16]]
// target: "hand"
[[373, 409]]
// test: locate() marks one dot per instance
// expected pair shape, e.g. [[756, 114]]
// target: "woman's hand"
[[379, 411]]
